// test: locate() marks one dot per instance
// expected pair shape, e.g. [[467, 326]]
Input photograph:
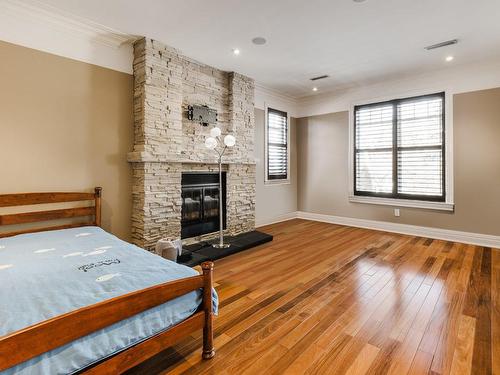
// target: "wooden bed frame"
[[32, 341]]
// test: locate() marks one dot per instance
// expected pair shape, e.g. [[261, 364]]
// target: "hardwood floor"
[[328, 299]]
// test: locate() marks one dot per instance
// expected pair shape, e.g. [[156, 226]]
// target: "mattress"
[[47, 274]]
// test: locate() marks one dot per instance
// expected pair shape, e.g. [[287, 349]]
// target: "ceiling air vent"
[[319, 77], [442, 44]]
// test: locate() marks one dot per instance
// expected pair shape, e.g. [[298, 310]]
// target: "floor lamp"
[[214, 143]]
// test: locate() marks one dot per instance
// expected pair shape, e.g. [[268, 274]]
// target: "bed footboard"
[[32, 341]]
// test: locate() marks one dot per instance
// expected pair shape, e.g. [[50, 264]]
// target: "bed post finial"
[[207, 266], [97, 206], [208, 333]]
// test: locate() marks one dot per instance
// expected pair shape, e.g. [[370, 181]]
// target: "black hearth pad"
[[197, 253]]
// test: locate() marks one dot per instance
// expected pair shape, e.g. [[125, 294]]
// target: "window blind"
[[399, 149], [277, 145]]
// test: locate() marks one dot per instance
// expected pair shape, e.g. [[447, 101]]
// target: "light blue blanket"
[[46, 274]]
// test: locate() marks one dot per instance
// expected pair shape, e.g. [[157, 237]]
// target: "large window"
[[277, 145], [399, 149]]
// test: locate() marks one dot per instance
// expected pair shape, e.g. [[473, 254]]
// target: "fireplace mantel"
[[141, 157]]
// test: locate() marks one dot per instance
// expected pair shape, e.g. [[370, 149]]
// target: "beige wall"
[[273, 201], [66, 125], [323, 169]]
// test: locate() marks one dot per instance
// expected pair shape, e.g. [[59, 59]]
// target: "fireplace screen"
[[191, 204], [200, 203]]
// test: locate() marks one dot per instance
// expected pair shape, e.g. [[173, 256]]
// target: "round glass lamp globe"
[[229, 140], [210, 143], [215, 132]]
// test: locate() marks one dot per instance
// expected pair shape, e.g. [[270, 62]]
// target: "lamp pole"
[[221, 244], [211, 143]]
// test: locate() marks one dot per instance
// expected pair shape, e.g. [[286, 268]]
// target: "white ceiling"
[[355, 43]]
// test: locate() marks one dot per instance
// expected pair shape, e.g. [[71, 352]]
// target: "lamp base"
[[221, 246]]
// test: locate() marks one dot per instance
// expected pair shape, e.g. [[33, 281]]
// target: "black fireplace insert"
[[200, 203]]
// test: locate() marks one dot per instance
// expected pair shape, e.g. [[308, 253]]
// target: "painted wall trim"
[[265, 96], [413, 230], [452, 79], [276, 219], [39, 26], [392, 202], [33, 24]]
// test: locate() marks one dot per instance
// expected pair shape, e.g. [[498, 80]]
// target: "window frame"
[[444, 202], [267, 179]]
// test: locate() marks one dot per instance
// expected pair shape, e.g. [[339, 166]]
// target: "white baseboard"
[[413, 230], [276, 219], [436, 233]]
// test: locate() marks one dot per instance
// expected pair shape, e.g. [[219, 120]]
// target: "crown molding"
[[457, 79], [272, 92], [70, 23], [265, 96], [36, 25], [33, 24]]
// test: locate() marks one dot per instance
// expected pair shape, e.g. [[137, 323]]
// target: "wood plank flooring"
[[329, 299]]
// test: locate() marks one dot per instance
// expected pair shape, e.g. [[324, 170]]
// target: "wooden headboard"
[[26, 199]]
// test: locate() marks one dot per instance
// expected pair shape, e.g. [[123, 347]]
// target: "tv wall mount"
[[202, 114]]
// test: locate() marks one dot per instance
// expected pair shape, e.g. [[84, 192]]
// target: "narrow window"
[[277, 145]]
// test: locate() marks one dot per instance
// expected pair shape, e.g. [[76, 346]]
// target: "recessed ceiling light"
[[449, 58], [259, 40], [236, 51], [359, 1], [315, 89]]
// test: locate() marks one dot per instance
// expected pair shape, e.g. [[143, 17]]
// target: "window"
[[399, 149], [277, 145]]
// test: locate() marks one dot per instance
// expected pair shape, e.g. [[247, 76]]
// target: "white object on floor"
[[169, 249]]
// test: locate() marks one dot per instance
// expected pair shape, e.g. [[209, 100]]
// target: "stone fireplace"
[[167, 144]]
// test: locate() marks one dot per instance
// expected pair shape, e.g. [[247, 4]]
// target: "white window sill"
[[441, 206], [276, 182]]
